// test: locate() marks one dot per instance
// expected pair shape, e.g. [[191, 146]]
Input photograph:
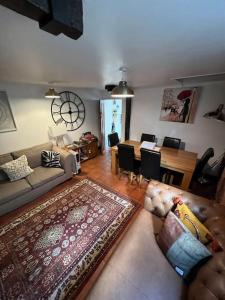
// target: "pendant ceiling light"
[[122, 90], [52, 94]]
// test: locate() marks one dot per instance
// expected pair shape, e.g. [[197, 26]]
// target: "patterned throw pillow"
[[183, 212], [50, 159], [181, 248], [17, 169]]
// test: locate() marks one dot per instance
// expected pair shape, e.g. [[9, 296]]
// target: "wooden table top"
[[174, 159]]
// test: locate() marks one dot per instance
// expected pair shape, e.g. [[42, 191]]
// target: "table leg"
[[186, 180], [114, 165]]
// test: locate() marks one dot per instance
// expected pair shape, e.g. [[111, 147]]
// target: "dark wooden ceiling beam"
[[66, 17], [33, 9], [54, 16]]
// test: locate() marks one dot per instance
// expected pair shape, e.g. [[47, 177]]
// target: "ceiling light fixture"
[[122, 90], [51, 94]]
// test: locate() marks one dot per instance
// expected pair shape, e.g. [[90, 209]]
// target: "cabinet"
[[92, 149]]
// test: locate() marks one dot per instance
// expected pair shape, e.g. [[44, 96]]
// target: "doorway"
[[112, 119]]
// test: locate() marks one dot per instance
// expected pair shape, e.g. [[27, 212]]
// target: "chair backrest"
[[113, 139], [147, 137], [202, 162], [150, 164], [126, 157], [220, 191], [171, 142]]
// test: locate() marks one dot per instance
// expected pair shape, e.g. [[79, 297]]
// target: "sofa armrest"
[[159, 200], [66, 160], [210, 280]]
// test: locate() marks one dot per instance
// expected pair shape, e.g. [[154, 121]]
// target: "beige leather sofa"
[[15, 194], [138, 270]]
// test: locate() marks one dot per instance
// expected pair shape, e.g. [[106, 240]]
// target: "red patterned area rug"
[[50, 251]]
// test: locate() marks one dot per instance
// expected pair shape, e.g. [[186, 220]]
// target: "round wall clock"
[[68, 109]]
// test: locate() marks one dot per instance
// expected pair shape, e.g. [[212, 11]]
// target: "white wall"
[[198, 136], [32, 114]]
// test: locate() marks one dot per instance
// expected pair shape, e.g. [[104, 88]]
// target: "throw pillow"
[[181, 248], [50, 159], [17, 169], [183, 212]]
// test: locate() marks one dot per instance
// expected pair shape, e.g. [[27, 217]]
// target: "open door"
[[112, 112]]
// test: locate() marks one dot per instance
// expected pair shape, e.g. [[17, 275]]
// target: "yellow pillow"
[[183, 212]]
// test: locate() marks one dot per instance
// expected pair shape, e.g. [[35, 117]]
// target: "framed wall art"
[[179, 105], [7, 122]]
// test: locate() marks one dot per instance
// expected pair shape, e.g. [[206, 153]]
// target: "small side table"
[[87, 150]]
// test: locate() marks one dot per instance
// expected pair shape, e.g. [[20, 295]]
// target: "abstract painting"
[[7, 122], [179, 105]]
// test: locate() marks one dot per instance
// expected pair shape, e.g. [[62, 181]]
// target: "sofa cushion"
[[209, 283], [216, 226], [17, 168], [138, 269], [4, 159], [10, 190], [43, 175], [33, 154]]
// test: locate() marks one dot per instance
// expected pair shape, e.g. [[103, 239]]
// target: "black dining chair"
[[127, 161], [113, 139], [171, 142], [169, 175], [203, 183], [150, 164], [147, 137], [201, 163]]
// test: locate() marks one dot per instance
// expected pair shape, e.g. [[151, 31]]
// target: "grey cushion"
[[10, 190], [4, 159], [42, 175], [33, 154]]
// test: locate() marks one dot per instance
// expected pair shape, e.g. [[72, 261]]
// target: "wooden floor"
[[99, 169]]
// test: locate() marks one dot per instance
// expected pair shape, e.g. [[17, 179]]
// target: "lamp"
[[57, 132], [51, 94], [218, 114], [122, 90]]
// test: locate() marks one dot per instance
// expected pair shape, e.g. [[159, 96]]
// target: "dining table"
[[177, 160]]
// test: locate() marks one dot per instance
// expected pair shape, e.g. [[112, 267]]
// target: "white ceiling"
[[156, 39]]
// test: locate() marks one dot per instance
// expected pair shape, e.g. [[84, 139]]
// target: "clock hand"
[[68, 100], [72, 112]]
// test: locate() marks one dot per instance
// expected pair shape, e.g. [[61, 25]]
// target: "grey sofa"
[[15, 194]]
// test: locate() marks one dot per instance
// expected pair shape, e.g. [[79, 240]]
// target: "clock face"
[[68, 109]]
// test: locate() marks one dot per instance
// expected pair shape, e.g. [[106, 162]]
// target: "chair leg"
[[167, 178], [131, 177], [140, 179], [119, 173], [171, 179]]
